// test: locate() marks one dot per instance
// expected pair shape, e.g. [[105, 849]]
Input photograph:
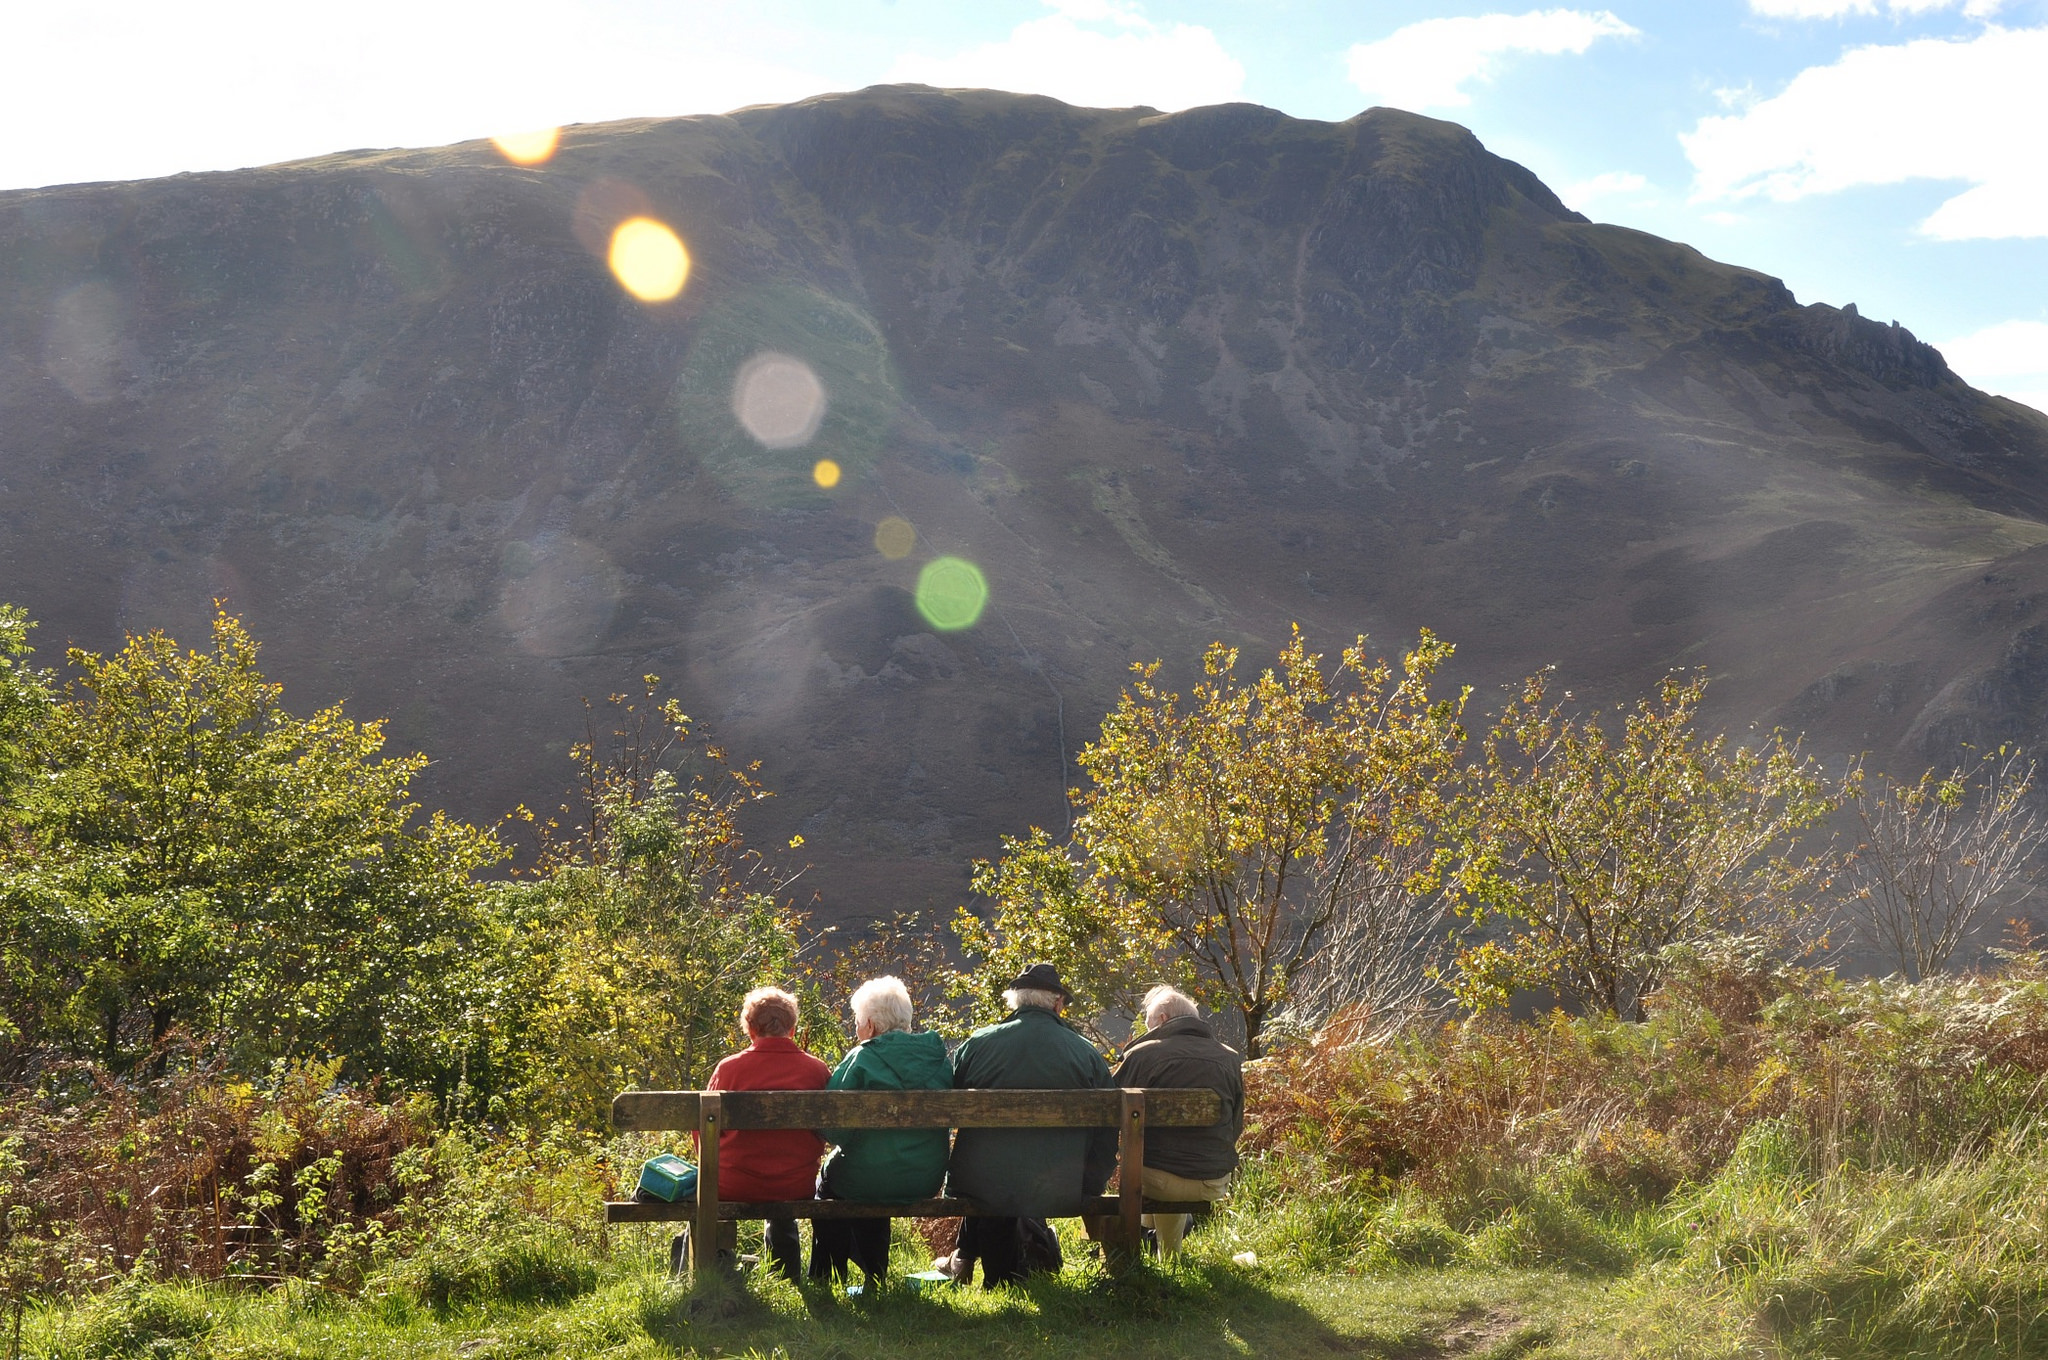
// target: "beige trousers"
[[1171, 1228]]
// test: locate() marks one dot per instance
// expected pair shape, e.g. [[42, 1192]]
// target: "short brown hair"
[[769, 1012]]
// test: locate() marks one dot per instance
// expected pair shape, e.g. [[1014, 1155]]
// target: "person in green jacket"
[[879, 1166], [1008, 1175]]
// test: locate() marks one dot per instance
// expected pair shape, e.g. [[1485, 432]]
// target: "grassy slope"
[[1776, 1163], [1204, 1307]]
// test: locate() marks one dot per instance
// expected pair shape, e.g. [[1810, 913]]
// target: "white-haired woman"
[[879, 1166]]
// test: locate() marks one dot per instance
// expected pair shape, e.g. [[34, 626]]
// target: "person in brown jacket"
[[1178, 1048]]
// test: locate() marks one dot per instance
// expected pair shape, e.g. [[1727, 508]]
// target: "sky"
[[1889, 153]]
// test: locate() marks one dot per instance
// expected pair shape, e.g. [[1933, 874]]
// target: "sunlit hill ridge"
[[890, 427]]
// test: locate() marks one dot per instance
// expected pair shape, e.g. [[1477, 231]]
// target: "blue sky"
[[1890, 153]]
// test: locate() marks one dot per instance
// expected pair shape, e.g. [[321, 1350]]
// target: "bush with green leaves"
[[190, 854], [1241, 838], [139, 1317], [1594, 850]]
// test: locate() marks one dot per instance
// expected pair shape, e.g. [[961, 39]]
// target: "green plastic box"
[[668, 1178]]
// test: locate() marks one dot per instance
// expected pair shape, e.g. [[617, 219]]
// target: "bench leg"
[[1122, 1237], [682, 1256]]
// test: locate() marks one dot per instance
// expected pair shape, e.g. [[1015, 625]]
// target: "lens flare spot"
[[778, 400], [826, 473], [894, 538], [951, 593], [528, 148], [83, 347], [648, 259]]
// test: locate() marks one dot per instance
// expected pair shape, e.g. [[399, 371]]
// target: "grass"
[[1770, 1258], [1776, 1164], [1204, 1305]]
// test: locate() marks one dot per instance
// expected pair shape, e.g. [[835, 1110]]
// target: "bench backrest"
[[1175, 1107], [710, 1113]]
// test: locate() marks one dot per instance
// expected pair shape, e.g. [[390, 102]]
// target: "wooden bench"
[[1129, 1111]]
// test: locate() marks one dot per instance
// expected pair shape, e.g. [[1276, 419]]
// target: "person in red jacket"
[[766, 1164]]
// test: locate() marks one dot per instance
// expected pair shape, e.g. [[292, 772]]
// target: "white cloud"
[[2001, 351], [1970, 110], [1608, 184], [1097, 53], [1835, 9], [2010, 358], [1428, 64]]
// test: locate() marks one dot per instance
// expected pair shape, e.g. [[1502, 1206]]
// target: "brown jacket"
[[1186, 1052]]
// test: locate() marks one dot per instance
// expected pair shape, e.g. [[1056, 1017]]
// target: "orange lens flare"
[[648, 259], [826, 473], [528, 148]]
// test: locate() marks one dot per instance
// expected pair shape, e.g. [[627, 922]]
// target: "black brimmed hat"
[[1041, 977]]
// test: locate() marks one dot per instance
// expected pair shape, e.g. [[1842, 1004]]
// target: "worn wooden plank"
[[1170, 1107], [684, 1211], [1131, 1178], [704, 1223], [653, 1111]]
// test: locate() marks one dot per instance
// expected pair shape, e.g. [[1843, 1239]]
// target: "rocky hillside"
[[1164, 378]]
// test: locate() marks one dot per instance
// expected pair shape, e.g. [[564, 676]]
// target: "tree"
[[191, 854], [1050, 907], [31, 955], [645, 925], [1230, 840], [1597, 853], [1937, 854]]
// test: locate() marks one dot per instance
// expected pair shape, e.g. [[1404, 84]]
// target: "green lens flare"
[[951, 592]]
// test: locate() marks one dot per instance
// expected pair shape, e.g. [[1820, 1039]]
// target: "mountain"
[[1163, 378]]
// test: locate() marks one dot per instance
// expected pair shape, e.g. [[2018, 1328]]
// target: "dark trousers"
[[994, 1242], [837, 1243], [783, 1247], [1008, 1248]]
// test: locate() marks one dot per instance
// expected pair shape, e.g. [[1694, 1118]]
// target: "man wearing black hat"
[[1012, 1174]]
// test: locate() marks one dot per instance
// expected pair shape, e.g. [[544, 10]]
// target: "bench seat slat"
[[1172, 1107], [683, 1210]]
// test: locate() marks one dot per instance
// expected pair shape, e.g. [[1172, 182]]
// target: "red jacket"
[[757, 1164]]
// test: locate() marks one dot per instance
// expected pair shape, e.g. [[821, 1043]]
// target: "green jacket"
[[1040, 1173], [889, 1166]]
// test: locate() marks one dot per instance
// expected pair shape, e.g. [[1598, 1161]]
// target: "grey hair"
[[1017, 998], [1168, 1003], [883, 1002]]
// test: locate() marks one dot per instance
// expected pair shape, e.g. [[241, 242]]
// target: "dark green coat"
[[889, 1166], [1039, 1173]]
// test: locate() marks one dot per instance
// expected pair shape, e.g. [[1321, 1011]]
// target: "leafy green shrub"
[[137, 1318], [457, 1271], [208, 1176], [497, 1219]]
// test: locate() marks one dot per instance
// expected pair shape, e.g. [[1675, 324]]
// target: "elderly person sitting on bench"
[[879, 1166], [1179, 1049], [770, 1164], [1013, 1176]]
